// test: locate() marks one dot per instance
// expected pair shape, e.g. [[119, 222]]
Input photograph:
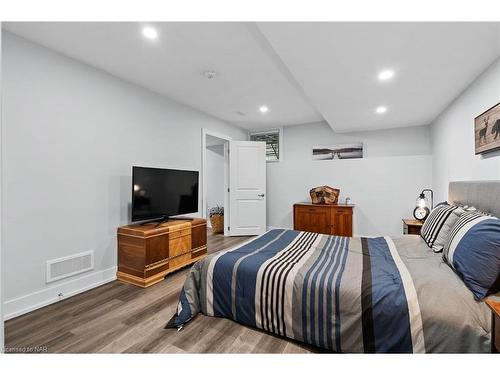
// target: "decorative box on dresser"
[[146, 253], [323, 218]]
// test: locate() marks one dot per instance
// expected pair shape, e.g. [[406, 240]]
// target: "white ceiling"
[[304, 72], [248, 74], [337, 65]]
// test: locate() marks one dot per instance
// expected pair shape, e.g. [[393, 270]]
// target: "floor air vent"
[[61, 268]]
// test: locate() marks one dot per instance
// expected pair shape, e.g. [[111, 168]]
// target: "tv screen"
[[163, 192]]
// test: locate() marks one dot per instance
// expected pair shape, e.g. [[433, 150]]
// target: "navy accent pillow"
[[473, 251]]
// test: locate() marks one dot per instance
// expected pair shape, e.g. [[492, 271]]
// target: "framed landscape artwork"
[[341, 151], [487, 130]]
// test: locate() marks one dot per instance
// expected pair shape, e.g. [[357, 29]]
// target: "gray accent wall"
[[452, 135], [71, 136]]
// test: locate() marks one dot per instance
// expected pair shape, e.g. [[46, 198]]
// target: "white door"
[[247, 188]]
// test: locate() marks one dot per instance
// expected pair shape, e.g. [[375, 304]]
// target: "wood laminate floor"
[[122, 318]]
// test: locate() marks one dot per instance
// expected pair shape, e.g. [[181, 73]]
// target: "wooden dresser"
[[146, 253], [323, 218]]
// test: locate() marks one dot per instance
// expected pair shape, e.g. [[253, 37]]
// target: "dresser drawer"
[[311, 209], [342, 211], [301, 210]]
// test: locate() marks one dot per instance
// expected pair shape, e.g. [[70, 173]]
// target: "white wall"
[[452, 135], [71, 136], [215, 176], [383, 185]]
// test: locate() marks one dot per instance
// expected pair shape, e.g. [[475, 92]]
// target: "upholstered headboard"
[[484, 195]]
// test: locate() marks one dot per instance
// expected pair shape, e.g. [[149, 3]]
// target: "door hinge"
[[228, 228], [228, 190]]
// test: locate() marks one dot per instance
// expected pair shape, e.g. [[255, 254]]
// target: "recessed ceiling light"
[[263, 109], [381, 110], [386, 75], [149, 32]]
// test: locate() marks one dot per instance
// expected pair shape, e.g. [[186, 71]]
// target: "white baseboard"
[[22, 305]]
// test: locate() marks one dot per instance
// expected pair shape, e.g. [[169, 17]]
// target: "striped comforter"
[[339, 293]]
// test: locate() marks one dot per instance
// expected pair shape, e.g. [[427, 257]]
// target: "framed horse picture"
[[487, 130]]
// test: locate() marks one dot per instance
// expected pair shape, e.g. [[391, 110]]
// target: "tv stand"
[[146, 253]]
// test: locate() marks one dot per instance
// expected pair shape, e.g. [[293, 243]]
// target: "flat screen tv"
[[160, 193]]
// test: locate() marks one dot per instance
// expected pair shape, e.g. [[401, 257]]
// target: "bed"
[[353, 295]]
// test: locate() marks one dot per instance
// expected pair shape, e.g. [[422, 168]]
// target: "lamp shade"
[[422, 201]]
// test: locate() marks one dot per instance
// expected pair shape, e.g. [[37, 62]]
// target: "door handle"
[[261, 195]]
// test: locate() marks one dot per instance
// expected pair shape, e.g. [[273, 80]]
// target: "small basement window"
[[273, 142]]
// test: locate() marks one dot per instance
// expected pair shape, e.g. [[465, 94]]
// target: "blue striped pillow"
[[473, 251]]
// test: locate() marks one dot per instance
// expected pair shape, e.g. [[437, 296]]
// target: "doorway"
[[215, 176], [234, 177]]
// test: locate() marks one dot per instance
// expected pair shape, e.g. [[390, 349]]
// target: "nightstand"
[[412, 226], [493, 303]]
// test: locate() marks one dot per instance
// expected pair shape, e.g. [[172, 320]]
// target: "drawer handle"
[[312, 209], [340, 211]]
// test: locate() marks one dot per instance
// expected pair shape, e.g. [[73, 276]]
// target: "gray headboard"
[[484, 195]]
